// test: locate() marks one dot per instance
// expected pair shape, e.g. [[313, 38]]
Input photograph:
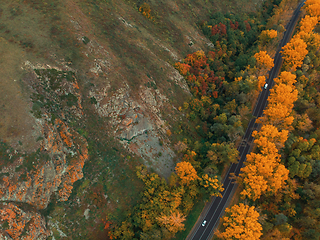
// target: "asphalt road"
[[217, 206]]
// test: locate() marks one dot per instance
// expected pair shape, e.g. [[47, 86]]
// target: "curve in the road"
[[218, 204]]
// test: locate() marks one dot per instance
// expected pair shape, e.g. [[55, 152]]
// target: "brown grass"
[[16, 122]]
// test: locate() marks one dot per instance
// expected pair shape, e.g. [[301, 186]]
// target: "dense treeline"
[[282, 175], [223, 83], [223, 87], [164, 206], [235, 38]]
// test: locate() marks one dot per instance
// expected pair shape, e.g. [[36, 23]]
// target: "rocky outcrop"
[[132, 113], [52, 168], [19, 224], [55, 166], [138, 123], [58, 163]]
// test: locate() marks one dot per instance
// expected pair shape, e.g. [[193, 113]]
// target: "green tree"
[[223, 153]]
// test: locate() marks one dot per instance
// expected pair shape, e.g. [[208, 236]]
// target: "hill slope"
[[88, 91]]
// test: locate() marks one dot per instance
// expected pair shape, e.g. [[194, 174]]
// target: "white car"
[[204, 223], [265, 86]]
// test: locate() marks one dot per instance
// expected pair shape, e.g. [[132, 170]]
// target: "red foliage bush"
[[234, 26], [248, 27], [199, 76], [223, 29]]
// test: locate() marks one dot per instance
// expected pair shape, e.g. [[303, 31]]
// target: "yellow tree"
[[308, 23], [271, 33], [263, 172], [286, 78], [267, 35], [125, 231], [280, 102], [241, 222], [278, 115], [264, 60], [190, 156], [173, 221], [278, 179], [294, 52], [176, 197], [269, 133], [254, 184], [313, 7], [284, 94], [261, 81], [186, 173], [314, 40], [213, 185], [306, 32]]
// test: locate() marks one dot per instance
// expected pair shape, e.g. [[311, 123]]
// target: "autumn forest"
[[120, 119], [280, 182]]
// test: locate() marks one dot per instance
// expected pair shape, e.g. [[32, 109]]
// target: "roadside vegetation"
[[281, 177], [224, 83]]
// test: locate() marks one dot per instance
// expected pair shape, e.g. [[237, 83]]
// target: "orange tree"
[[267, 35], [241, 222], [212, 185], [313, 8], [280, 102], [173, 221], [186, 173], [189, 178], [263, 173], [294, 52], [264, 60]]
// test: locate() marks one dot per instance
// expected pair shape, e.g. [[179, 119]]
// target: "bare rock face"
[[19, 224], [138, 123]]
